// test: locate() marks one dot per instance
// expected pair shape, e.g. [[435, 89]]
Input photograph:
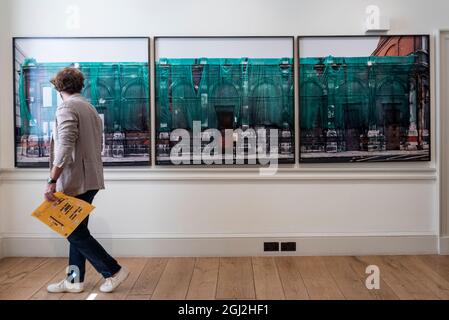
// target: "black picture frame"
[[295, 116], [17, 164], [430, 93]]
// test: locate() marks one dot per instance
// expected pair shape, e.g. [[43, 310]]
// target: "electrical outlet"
[[270, 246], [288, 246]]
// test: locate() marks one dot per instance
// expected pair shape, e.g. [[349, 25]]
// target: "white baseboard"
[[444, 245], [221, 247]]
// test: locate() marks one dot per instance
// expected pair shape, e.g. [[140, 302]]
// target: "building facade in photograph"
[[225, 94], [374, 108], [119, 92]]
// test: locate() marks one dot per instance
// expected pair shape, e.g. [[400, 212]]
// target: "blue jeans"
[[83, 246]]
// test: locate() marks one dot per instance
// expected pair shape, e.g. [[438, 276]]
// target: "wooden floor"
[[402, 277]]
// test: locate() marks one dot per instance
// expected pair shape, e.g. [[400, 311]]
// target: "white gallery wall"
[[327, 209], [443, 96]]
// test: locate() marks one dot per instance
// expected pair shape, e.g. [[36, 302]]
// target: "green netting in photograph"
[[337, 93], [119, 91], [256, 92]]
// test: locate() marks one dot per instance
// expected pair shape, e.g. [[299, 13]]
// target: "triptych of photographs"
[[359, 98]]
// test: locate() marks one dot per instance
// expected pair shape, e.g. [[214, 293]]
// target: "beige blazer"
[[76, 146]]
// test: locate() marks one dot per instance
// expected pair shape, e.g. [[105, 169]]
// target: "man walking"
[[76, 169]]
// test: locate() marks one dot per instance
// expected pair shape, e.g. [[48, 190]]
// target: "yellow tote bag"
[[63, 215]]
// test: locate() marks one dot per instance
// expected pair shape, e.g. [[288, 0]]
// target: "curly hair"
[[70, 80]]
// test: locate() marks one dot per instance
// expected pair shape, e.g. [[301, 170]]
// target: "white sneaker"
[[65, 286], [112, 283]]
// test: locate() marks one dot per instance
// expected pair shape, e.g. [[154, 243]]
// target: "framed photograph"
[[224, 100], [117, 85], [364, 98]]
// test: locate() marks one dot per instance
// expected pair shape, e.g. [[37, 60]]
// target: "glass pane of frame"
[[117, 79], [364, 99], [224, 100]]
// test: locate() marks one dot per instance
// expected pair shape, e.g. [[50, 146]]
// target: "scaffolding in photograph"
[[119, 92], [364, 104], [224, 94]]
